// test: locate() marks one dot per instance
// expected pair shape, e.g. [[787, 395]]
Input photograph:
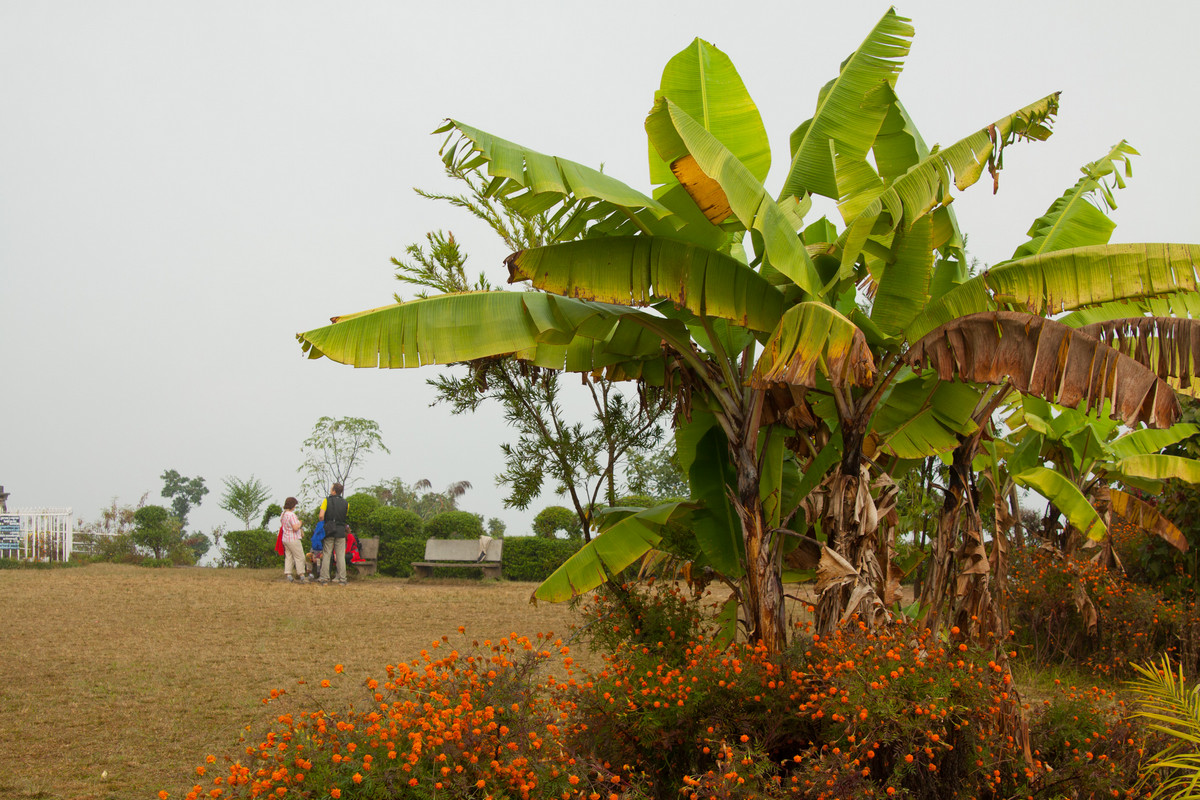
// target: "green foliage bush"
[[252, 549], [531, 558], [401, 539], [454, 525], [361, 506], [552, 519]]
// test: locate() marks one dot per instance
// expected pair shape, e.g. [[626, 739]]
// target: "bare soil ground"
[[116, 681]]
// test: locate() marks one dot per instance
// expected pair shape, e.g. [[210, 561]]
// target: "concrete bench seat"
[[459, 553]]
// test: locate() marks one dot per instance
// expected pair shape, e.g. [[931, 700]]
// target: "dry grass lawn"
[[116, 681]]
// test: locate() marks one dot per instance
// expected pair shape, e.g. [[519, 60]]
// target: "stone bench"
[[369, 548], [459, 553]]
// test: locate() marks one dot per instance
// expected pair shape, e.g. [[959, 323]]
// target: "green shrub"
[[532, 558], [400, 539], [362, 505], [552, 519], [454, 525], [252, 549], [156, 530], [118, 549]]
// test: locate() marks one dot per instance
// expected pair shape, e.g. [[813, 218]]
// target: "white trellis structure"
[[36, 534]]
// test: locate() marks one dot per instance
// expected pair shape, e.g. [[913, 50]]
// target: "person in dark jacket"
[[333, 513]]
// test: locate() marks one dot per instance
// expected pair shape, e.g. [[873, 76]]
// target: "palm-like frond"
[[1173, 709], [850, 110]]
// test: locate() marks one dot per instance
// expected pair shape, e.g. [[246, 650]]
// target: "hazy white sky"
[[185, 185]]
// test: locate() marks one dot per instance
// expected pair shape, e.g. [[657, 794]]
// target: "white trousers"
[[293, 558]]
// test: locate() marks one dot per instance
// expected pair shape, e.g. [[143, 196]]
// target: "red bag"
[[279, 542]]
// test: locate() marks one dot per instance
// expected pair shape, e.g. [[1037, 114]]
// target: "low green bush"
[[532, 558], [252, 549], [454, 525], [401, 539], [361, 507]]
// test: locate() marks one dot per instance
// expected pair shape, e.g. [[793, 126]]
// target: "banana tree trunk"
[[856, 581]]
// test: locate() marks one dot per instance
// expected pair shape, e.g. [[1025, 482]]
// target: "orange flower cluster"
[[1051, 608], [897, 713]]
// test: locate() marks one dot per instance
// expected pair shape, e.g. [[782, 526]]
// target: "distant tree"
[[552, 519], [199, 544], [245, 498], [274, 510], [156, 529], [184, 493], [419, 497], [333, 450], [656, 474], [496, 527]]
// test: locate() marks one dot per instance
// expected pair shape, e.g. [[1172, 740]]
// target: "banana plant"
[[713, 289]]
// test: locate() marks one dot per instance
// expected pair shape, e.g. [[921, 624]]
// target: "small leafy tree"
[[184, 493], [552, 519], [335, 448], [496, 527], [245, 498], [156, 530]]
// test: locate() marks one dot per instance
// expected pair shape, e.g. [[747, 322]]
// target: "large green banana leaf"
[[722, 185], [610, 552], [904, 286], [1146, 441], [1172, 304], [814, 337], [1066, 497], [1077, 219], [640, 270], [550, 331], [536, 183], [850, 110], [702, 80], [717, 527], [921, 416], [927, 184], [1064, 280], [1155, 466]]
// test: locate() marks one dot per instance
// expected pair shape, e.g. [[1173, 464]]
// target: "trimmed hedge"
[[532, 558], [401, 539], [454, 525], [361, 507], [253, 549]]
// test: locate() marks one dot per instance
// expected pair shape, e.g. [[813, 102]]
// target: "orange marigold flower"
[[357, 778], [335, 793], [162, 795], [338, 668]]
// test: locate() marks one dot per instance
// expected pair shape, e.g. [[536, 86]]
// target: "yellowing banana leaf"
[[1158, 467], [1145, 516], [709, 168], [445, 329], [1078, 218], [1066, 497], [1049, 360], [849, 111], [1065, 280], [1174, 304], [927, 185], [702, 80], [640, 270], [1167, 345], [811, 337], [609, 553]]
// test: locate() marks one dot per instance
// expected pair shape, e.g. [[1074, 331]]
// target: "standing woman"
[[293, 551]]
